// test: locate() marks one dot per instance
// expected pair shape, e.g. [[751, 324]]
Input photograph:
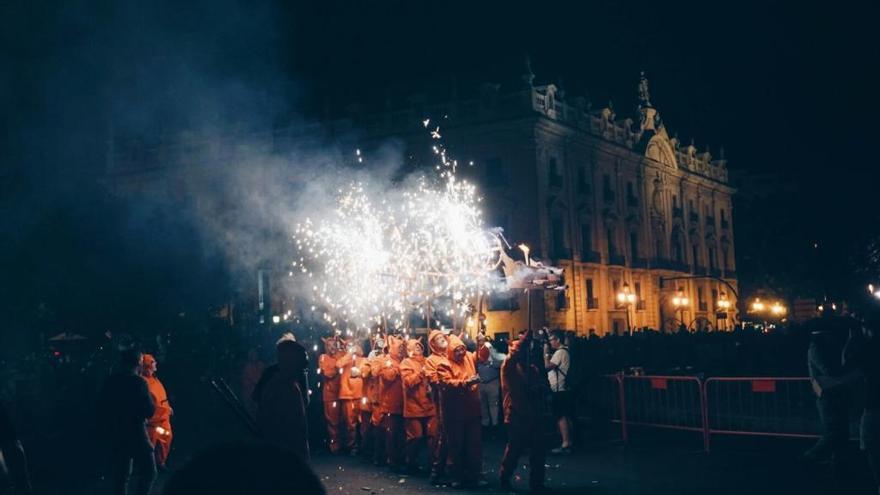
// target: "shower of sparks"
[[374, 261]]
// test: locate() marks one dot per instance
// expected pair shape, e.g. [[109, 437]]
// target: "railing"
[[751, 406]]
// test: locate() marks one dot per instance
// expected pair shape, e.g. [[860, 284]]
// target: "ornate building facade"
[[616, 201]]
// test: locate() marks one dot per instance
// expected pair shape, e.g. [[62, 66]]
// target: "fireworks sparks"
[[376, 260]]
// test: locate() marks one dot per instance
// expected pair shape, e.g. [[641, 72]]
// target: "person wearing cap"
[[419, 414], [159, 425], [461, 414]]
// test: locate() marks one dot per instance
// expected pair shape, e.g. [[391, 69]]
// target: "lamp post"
[[525, 250], [723, 305], [680, 302], [627, 298]]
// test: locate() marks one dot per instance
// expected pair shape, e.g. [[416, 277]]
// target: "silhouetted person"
[[523, 383], [863, 355], [13, 462], [124, 407], [282, 396], [246, 469], [825, 363]]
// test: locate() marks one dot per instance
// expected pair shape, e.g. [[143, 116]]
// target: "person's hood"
[[454, 343], [434, 348], [415, 349], [394, 344]]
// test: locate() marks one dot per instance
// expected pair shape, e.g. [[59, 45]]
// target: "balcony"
[[694, 217], [616, 259], [591, 256], [715, 272], [639, 263], [701, 270], [677, 212], [710, 221], [725, 224], [593, 303]]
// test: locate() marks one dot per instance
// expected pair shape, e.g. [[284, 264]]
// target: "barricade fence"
[[752, 406]]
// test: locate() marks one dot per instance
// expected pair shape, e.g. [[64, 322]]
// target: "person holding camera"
[[558, 363]]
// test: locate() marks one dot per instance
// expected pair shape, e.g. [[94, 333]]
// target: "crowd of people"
[[425, 405], [397, 400]]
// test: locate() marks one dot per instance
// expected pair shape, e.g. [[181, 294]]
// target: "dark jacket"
[[124, 406]]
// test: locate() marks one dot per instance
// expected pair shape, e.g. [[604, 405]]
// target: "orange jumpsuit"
[[391, 402], [419, 413], [159, 426], [365, 406], [351, 391], [461, 413], [330, 392], [432, 363], [522, 387], [375, 363]]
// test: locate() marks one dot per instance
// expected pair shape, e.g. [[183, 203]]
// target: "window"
[[631, 199], [495, 174], [724, 255], [553, 172], [586, 241], [640, 301], [701, 301], [561, 300], [607, 191], [583, 183], [712, 258], [714, 297], [674, 201], [609, 232], [696, 253], [503, 301], [558, 227], [592, 301], [658, 249], [633, 246]]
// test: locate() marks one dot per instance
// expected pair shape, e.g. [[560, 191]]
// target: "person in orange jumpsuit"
[[329, 368], [461, 414], [438, 344], [351, 391], [376, 360], [419, 413], [158, 426], [365, 406], [523, 383], [391, 402]]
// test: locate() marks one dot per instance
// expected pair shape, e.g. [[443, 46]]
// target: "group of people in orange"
[[405, 398]]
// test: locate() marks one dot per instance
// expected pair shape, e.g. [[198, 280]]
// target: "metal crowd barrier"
[[754, 406], [760, 406]]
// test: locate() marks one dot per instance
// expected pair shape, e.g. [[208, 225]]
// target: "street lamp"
[[757, 305], [874, 291], [724, 306], [778, 309], [626, 297], [680, 302]]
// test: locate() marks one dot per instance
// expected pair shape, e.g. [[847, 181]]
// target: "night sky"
[[784, 87]]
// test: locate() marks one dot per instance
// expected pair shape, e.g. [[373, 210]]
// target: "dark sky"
[[785, 87]]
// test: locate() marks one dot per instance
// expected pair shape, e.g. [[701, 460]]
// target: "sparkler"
[[373, 260]]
